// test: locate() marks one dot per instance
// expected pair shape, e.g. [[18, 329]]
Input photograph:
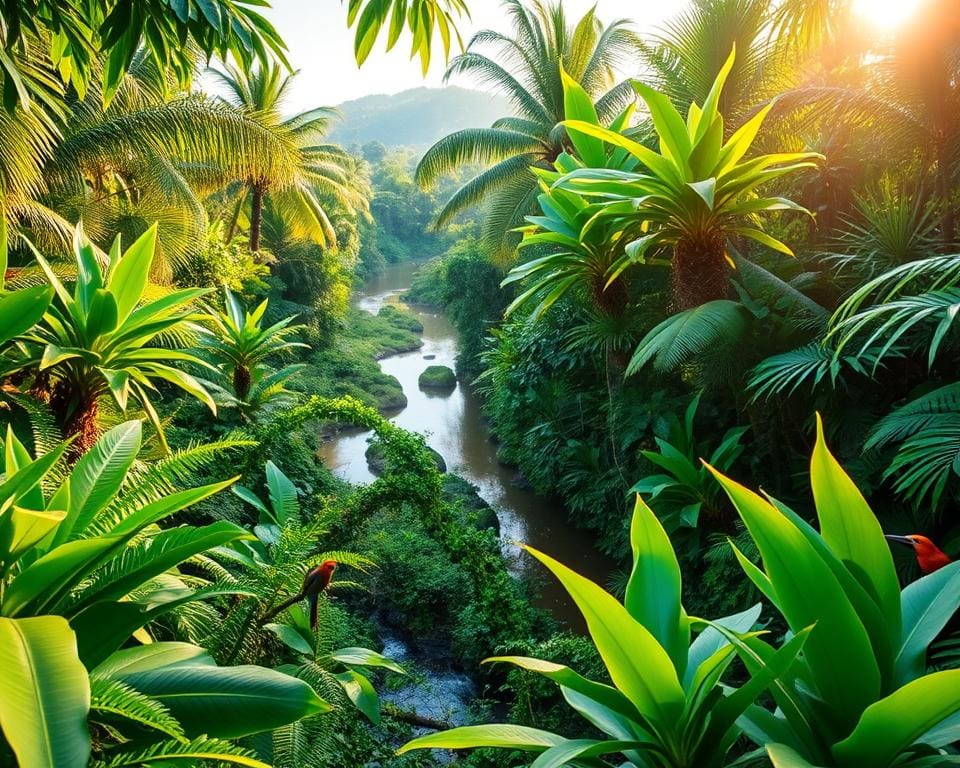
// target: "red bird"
[[315, 582], [929, 556]]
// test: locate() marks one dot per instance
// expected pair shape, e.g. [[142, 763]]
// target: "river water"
[[454, 426]]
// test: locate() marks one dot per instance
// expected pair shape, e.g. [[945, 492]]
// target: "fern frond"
[[916, 415], [806, 366], [683, 336], [199, 750], [112, 697]]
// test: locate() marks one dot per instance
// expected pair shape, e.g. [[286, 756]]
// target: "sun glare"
[[886, 14]]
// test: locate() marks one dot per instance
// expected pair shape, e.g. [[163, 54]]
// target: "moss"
[[438, 377], [348, 365]]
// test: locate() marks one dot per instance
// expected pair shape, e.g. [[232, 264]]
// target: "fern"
[[945, 653], [189, 753], [915, 416], [686, 335], [112, 697], [927, 461]]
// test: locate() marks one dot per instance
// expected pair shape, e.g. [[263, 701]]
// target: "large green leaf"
[[578, 105], [361, 692], [364, 657], [227, 702], [853, 533], [21, 310], [98, 476], [637, 663], [507, 736], [892, 724], [928, 604], [129, 277], [783, 756], [283, 495], [47, 580], [838, 650], [144, 658], [610, 698], [45, 695], [653, 591]]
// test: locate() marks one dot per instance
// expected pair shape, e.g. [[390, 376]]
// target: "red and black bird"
[[930, 557], [315, 583]]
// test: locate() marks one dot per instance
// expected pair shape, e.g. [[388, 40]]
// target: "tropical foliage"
[[525, 67], [612, 259]]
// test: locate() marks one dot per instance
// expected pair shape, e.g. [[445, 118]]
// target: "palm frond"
[[688, 334]]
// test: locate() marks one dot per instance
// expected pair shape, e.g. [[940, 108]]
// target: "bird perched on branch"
[[315, 583], [929, 556]]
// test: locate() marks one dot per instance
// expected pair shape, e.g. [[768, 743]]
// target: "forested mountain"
[[415, 118]]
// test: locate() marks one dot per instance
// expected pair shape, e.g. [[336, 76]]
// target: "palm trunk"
[[699, 270], [241, 382], [256, 216], [85, 425], [612, 301]]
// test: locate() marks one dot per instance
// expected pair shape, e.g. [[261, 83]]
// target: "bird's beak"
[[900, 540]]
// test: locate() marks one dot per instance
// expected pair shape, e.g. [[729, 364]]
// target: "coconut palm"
[[525, 67], [313, 169], [145, 158]]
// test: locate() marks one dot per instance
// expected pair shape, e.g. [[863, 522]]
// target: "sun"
[[886, 15]]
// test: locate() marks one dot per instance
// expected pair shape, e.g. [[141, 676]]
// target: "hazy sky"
[[321, 47]]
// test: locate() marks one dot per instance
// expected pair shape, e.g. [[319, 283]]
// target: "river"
[[454, 426]]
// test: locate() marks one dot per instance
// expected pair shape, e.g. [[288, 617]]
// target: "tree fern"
[[683, 337]]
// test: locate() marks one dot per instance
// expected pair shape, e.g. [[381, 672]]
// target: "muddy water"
[[453, 425]]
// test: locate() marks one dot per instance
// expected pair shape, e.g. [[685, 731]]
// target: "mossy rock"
[[377, 461], [438, 377], [467, 499]]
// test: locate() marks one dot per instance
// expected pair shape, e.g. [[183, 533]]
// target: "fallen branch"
[[412, 718]]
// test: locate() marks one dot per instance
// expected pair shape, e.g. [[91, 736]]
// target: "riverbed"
[[454, 426]]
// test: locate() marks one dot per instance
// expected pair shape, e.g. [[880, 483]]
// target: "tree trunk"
[[699, 270], [256, 216], [241, 382], [612, 301], [84, 424]]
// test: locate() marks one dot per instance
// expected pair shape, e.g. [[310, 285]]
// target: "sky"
[[321, 46]]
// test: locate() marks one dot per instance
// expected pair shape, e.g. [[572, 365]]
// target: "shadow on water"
[[453, 425]]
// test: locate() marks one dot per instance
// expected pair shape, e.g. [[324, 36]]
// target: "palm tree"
[[314, 169], [683, 59], [693, 194], [239, 347], [526, 68], [100, 341]]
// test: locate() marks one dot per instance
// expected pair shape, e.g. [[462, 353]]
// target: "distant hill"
[[415, 118]]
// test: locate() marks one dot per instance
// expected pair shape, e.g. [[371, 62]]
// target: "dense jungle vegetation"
[[704, 281]]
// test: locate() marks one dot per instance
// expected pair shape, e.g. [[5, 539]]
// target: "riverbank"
[[348, 366]]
